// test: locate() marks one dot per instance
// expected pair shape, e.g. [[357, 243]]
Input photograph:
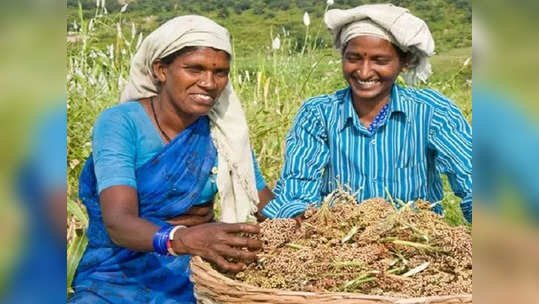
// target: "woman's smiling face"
[[371, 66], [195, 79]]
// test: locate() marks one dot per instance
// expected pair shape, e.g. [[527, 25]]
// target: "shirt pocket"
[[407, 155]]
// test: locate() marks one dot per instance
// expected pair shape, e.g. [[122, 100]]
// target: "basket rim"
[[200, 264]]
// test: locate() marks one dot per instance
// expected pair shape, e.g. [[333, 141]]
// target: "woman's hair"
[[167, 60]]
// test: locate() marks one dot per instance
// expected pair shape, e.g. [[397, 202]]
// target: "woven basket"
[[211, 287]]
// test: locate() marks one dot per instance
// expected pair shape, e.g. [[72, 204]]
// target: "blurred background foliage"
[[448, 20]]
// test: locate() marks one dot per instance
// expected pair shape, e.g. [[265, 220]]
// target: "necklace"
[[157, 121], [377, 121]]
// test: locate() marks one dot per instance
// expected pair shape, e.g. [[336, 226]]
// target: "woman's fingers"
[[299, 219], [219, 241], [238, 241], [235, 253], [224, 265], [242, 227]]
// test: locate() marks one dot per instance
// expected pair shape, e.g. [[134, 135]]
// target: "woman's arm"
[[119, 208], [306, 156], [450, 136], [264, 196], [213, 241]]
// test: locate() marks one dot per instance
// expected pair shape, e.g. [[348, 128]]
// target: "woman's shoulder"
[[125, 116], [121, 113], [126, 109], [325, 100], [427, 97]]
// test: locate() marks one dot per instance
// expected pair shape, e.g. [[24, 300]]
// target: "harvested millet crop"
[[369, 248]]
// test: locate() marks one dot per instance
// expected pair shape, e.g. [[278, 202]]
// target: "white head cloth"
[[228, 126], [393, 23]]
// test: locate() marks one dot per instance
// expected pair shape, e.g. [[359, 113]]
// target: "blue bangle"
[[160, 239]]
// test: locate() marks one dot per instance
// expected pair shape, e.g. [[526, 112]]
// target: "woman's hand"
[[197, 215], [264, 196], [216, 242], [299, 219]]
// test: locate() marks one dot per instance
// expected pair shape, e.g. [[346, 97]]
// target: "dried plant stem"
[[365, 277], [411, 244], [396, 270], [416, 270], [348, 263], [350, 234], [295, 246]]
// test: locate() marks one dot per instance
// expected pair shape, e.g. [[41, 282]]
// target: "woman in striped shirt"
[[375, 136]]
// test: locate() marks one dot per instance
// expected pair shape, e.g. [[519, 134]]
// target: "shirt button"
[[373, 142]]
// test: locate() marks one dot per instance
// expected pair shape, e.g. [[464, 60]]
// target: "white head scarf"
[[228, 126], [386, 21]]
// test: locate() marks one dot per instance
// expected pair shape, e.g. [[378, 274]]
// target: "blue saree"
[[167, 186]]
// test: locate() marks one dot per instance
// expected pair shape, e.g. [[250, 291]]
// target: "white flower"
[[75, 26], [91, 25], [133, 31], [306, 19], [74, 163], [121, 82], [276, 43], [110, 49], [139, 41], [330, 2], [124, 8], [119, 29]]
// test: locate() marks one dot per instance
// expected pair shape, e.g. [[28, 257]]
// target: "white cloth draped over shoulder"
[[390, 22], [228, 125]]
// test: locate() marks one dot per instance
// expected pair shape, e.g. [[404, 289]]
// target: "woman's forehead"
[[205, 55], [370, 44]]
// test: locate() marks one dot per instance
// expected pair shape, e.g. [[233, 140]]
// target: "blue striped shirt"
[[424, 135]]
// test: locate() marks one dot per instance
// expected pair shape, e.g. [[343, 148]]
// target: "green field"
[[271, 84]]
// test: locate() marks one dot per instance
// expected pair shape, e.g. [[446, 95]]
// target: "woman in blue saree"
[[158, 160]]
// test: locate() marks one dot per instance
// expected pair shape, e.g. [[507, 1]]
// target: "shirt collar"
[[348, 113], [397, 103]]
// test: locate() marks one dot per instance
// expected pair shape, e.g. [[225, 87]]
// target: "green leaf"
[[350, 234], [74, 254], [75, 209]]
